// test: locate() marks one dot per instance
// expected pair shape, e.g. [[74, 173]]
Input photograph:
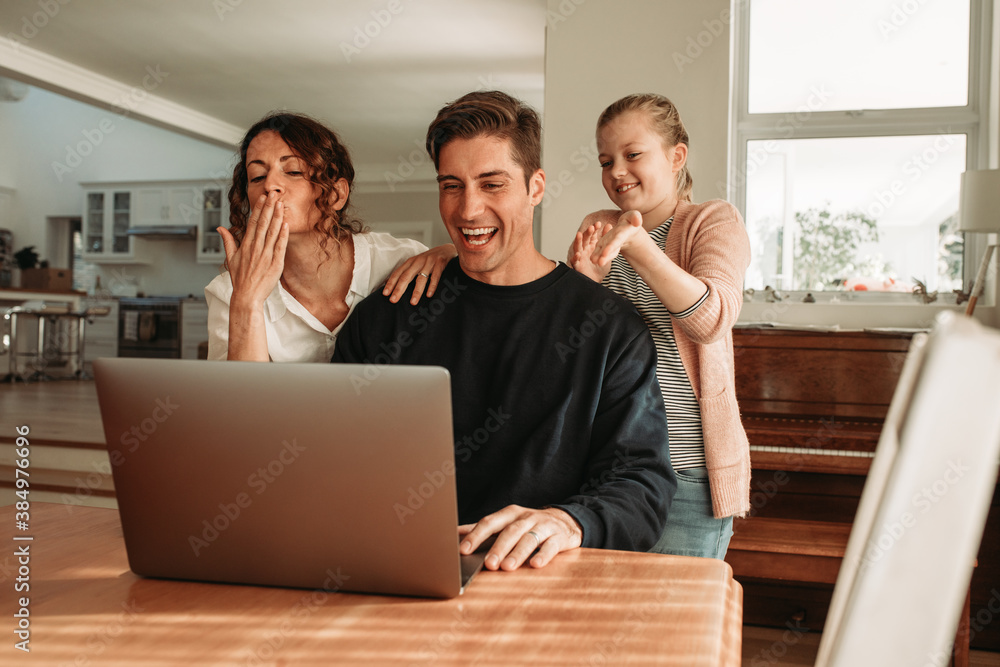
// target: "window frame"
[[972, 120]]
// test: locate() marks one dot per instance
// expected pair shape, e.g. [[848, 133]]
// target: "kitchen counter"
[[17, 296]]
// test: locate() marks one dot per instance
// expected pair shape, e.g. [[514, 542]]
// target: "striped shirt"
[[687, 448]]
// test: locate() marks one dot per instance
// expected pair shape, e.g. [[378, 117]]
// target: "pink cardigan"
[[710, 242]]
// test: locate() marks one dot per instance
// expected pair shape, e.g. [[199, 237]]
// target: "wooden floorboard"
[[61, 411]]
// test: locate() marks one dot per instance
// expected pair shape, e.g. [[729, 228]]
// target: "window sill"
[[854, 315]]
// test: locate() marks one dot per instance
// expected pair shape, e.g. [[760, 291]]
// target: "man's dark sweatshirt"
[[554, 397]]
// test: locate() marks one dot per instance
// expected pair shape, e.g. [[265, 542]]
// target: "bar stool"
[[82, 319], [8, 343], [47, 315], [11, 317]]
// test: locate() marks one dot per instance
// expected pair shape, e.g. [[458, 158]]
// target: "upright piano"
[[813, 403]]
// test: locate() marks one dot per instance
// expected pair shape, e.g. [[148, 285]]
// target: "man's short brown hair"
[[491, 114]]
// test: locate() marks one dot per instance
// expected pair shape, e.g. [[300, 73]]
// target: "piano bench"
[[788, 549]]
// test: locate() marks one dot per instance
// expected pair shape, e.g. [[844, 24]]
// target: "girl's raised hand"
[[426, 268], [619, 238], [582, 250], [255, 265]]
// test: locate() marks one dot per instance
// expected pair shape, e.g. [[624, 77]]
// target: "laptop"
[[322, 476]]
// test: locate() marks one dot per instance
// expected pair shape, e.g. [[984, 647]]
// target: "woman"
[[297, 260]]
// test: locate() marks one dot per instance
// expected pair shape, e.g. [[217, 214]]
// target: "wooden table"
[[588, 607]]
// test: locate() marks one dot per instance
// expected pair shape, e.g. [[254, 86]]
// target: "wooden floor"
[[67, 412], [56, 411]]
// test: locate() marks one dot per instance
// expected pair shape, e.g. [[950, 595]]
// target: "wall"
[[374, 204], [597, 52], [50, 144]]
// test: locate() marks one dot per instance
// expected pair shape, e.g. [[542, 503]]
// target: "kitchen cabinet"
[[194, 326], [107, 217], [177, 205], [111, 209], [100, 337], [214, 213]]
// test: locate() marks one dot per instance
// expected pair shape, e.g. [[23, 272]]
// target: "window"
[[854, 121]]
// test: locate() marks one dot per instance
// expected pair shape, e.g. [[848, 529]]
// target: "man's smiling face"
[[487, 208]]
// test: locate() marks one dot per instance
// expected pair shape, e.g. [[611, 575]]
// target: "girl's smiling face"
[[638, 171]]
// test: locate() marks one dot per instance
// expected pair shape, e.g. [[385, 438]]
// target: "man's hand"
[[520, 532]]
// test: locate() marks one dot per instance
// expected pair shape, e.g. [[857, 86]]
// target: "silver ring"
[[423, 274], [538, 540]]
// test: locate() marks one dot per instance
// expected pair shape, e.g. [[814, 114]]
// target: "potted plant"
[[26, 258], [38, 275]]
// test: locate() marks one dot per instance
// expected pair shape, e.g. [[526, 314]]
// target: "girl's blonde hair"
[[664, 119]]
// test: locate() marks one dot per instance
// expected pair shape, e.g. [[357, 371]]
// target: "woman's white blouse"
[[293, 333]]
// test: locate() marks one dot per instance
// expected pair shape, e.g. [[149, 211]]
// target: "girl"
[[297, 261], [682, 265]]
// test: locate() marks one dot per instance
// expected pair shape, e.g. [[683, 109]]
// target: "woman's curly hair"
[[328, 161]]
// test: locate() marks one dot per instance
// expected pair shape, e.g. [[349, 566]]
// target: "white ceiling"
[[376, 76]]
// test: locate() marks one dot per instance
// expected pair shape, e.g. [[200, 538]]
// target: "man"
[[560, 435]]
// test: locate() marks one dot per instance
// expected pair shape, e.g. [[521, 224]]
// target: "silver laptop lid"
[[303, 475]]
